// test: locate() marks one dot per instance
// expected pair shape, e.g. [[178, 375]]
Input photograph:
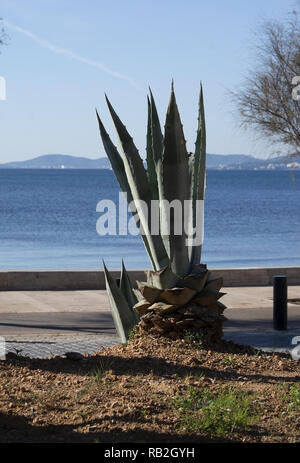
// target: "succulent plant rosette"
[[179, 296]]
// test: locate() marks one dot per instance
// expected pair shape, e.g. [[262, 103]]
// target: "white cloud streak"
[[69, 53]]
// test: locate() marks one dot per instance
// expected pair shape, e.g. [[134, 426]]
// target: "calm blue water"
[[48, 220]]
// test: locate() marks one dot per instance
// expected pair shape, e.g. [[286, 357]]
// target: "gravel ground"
[[152, 390]]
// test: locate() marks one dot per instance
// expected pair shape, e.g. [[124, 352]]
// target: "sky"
[[63, 55]]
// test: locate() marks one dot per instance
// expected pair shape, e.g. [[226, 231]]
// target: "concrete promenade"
[[44, 323], [62, 280]]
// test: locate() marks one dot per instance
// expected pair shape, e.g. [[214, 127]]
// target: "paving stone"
[[44, 347]]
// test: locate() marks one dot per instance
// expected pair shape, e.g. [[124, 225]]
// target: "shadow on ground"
[[18, 429], [144, 365]]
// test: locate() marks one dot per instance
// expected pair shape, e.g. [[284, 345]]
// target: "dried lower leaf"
[[177, 296], [163, 308], [142, 307]]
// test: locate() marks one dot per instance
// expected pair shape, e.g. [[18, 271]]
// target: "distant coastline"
[[214, 161]]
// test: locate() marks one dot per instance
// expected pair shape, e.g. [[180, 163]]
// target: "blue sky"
[[63, 55]]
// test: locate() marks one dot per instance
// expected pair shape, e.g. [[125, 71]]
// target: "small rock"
[[115, 404]]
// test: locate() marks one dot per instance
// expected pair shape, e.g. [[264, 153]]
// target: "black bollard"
[[280, 302]]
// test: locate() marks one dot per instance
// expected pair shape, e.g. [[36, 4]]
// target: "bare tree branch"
[[3, 35], [265, 100]]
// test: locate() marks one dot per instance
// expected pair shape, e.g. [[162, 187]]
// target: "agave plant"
[[178, 295]]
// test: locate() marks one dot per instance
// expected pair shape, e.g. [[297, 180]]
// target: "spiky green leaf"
[[127, 290], [150, 160], [156, 133], [174, 184], [115, 159], [140, 190], [198, 175], [119, 170], [123, 316]]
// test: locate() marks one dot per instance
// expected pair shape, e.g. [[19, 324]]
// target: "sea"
[[48, 220]]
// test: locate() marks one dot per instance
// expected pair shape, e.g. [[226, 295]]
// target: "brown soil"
[[126, 393]]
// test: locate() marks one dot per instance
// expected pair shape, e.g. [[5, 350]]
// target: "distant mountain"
[[214, 161], [59, 161]]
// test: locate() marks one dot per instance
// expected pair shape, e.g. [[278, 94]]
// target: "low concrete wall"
[[94, 279]]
